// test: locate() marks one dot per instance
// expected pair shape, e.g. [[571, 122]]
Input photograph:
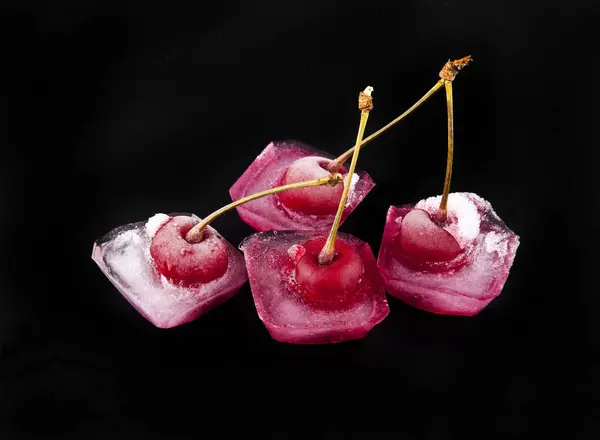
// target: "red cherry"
[[184, 262], [423, 244], [331, 286], [312, 200]]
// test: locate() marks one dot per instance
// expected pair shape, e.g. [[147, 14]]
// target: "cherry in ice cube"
[[302, 301], [311, 208], [449, 254], [454, 267], [169, 280]]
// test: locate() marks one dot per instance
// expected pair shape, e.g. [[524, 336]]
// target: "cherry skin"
[[331, 286], [184, 262], [424, 245], [312, 200]]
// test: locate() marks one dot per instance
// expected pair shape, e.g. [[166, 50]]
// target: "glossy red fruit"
[[184, 262], [312, 200], [424, 245], [306, 209], [331, 286]]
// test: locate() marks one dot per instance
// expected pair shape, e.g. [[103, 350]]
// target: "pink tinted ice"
[[454, 269], [271, 257], [124, 256], [284, 211]]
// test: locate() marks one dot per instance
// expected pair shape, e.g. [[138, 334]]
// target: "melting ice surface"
[[489, 246], [124, 257], [288, 318]]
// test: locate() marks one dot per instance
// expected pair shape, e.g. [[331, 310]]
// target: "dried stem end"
[[365, 100], [442, 216], [451, 68]]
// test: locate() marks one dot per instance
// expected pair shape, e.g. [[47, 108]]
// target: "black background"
[[112, 111]]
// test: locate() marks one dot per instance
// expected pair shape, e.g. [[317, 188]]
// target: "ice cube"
[[305, 209], [124, 256], [289, 314], [456, 283]]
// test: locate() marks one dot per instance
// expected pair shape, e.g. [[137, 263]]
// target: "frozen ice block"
[[302, 303], [454, 268], [302, 209], [124, 255]]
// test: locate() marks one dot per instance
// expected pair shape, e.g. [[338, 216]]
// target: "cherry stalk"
[[443, 212], [447, 74], [196, 234], [449, 254], [365, 104]]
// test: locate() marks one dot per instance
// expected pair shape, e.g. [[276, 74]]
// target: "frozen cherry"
[[463, 285], [185, 262], [315, 200], [306, 209], [423, 245], [282, 302], [449, 254], [330, 286], [161, 295]]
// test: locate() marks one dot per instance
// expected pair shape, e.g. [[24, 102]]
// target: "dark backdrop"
[[112, 111]]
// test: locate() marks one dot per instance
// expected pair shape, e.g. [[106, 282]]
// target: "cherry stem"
[[196, 234], [449, 103], [365, 104], [448, 73], [337, 163]]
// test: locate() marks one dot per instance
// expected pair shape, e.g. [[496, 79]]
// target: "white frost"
[[495, 242], [154, 223], [351, 193]]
